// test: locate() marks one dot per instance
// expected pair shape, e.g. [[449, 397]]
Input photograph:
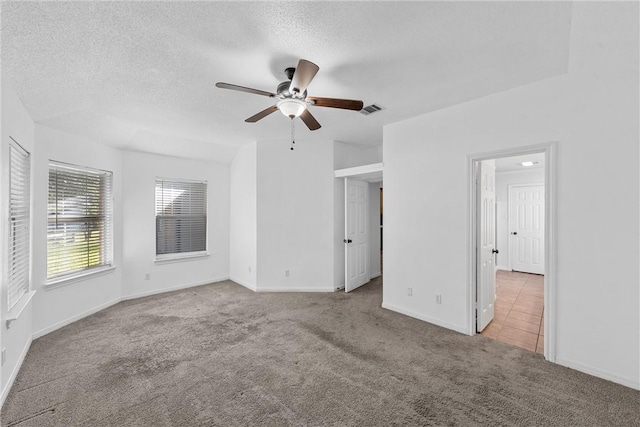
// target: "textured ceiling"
[[141, 75]]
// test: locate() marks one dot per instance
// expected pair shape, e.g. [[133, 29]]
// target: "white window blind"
[[19, 199], [181, 217], [79, 231]]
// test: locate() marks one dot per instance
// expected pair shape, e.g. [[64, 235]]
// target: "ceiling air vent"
[[370, 109]]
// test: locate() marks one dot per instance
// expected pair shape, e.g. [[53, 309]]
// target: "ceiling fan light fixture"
[[291, 107]]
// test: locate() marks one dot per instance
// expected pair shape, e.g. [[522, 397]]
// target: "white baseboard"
[[428, 319], [499, 267], [303, 289], [243, 283], [255, 288], [628, 382], [374, 275], [173, 288], [14, 373], [75, 318]]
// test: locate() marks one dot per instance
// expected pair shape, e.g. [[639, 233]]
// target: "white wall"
[[244, 211], [54, 307], [16, 123], [140, 171], [286, 204], [351, 155], [295, 216], [592, 113], [503, 181]]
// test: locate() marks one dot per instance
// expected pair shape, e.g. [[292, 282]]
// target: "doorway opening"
[[512, 248], [362, 230]]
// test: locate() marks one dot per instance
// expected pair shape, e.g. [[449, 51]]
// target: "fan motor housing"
[[283, 90]]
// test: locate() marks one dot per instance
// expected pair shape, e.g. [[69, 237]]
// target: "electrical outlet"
[[147, 276], [410, 292], [286, 273], [4, 356], [249, 269], [438, 298]]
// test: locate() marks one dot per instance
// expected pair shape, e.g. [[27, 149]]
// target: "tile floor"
[[518, 310]]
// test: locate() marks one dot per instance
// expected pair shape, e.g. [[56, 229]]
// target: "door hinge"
[[475, 305]]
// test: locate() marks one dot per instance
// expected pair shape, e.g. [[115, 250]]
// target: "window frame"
[[24, 257], [181, 256], [107, 243]]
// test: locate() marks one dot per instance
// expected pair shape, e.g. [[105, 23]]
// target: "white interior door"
[[357, 234], [526, 225], [486, 279]]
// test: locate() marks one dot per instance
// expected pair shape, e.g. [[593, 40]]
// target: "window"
[[79, 215], [19, 200], [181, 218]]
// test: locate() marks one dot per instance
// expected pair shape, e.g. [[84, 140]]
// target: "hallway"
[[519, 311]]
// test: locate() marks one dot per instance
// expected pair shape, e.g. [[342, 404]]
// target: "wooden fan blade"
[[345, 104], [262, 114], [305, 72], [222, 85], [309, 120]]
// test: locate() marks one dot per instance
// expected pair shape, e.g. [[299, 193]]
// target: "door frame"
[[357, 172], [509, 245], [550, 293]]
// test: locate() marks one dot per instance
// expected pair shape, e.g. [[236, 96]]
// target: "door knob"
[[347, 240], [495, 251], [514, 233]]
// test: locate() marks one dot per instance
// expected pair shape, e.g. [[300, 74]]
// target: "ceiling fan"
[[292, 99]]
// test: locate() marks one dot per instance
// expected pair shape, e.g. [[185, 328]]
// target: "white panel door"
[[487, 244], [357, 234], [526, 223]]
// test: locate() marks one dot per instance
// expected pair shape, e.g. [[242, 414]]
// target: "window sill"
[[16, 311], [179, 258], [56, 283]]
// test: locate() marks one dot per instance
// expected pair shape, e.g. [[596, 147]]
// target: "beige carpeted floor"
[[220, 355]]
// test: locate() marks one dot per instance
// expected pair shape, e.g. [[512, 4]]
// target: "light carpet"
[[221, 355]]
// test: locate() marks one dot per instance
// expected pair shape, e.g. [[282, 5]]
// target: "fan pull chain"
[[293, 141]]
